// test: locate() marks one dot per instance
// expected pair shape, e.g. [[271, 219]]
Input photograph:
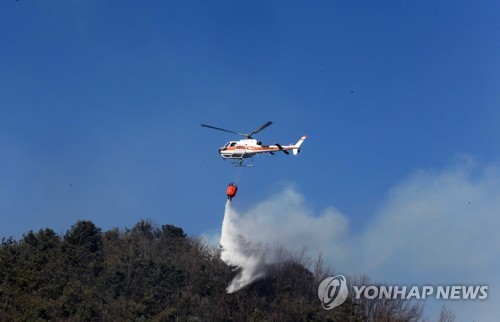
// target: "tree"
[[446, 315], [147, 273]]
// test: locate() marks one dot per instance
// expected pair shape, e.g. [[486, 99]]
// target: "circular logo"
[[332, 291]]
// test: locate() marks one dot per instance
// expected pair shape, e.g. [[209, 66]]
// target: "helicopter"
[[248, 147]]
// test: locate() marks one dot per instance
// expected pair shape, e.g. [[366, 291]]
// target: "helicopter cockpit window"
[[233, 144]]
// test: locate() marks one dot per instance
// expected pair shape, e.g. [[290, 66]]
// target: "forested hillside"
[[159, 274]]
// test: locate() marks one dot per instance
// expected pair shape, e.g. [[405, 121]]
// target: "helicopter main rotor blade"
[[260, 128], [218, 128]]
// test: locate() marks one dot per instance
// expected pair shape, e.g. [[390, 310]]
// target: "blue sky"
[[101, 104]]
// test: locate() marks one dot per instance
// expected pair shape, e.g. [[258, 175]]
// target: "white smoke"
[[251, 242], [249, 257], [435, 226]]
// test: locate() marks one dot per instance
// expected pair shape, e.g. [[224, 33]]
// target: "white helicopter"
[[248, 147]]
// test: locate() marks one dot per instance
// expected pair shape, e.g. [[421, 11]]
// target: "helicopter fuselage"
[[249, 147], [239, 149]]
